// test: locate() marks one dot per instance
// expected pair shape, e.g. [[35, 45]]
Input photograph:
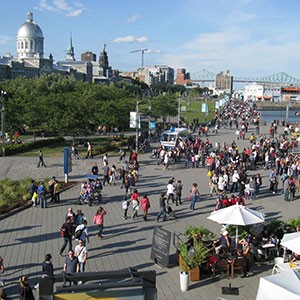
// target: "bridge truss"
[[281, 78]]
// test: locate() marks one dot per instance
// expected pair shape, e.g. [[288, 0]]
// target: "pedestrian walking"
[[82, 233], [178, 192], [99, 220], [81, 253], [89, 153], [41, 159], [106, 174], [162, 207], [71, 265], [145, 204], [125, 205], [135, 200], [66, 233], [194, 193], [47, 268], [170, 191]]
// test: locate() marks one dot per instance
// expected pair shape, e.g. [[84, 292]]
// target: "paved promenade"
[[28, 235]]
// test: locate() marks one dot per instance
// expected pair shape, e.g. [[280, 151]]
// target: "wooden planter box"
[[195, 274]]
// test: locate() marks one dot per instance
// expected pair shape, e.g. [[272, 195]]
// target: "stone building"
[[224, 82], [30, 61]]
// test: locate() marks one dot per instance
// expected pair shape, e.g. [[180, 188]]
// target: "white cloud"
[[131, 39], [44, 6], [133, 18], [237, 51], [61, 6], [154, 51], [75, 13]]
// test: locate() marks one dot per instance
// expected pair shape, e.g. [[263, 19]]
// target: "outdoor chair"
[[237, 265]]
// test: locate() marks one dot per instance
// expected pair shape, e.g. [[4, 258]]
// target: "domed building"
[[30, 62], [30, 40]]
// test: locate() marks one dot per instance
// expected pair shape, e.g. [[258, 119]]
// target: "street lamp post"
[[206, 107], [3, 122], [179, 108], [137, 127], [137, 123]]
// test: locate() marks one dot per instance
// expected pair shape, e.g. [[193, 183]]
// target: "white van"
[[169, 138]]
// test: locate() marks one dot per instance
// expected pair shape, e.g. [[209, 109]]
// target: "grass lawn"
[[57, 149], [193, 110]]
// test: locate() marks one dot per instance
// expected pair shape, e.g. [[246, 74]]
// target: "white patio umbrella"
[[237, 215], [282, 286], [291, 241]]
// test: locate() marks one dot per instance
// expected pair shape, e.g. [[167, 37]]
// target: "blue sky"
[[247, 37]]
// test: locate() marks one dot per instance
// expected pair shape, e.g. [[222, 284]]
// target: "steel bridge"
[[281, 78]]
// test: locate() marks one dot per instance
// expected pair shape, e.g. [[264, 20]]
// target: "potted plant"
[[184, 268], [192, 254]]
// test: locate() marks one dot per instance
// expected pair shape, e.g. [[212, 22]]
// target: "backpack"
[[63, 231], [78, 233]]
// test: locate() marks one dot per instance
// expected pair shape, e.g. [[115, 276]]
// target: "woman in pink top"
[[145, 203], [99, 220]]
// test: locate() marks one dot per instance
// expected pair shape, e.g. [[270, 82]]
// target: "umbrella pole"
[[236, 236]]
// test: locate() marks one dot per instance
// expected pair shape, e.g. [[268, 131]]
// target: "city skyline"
[[249, 38]]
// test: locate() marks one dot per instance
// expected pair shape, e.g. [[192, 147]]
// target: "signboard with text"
[[161, 246]]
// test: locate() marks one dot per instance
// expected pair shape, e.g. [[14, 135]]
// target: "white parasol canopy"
[[282, 286], [237, 215], [291, 241]]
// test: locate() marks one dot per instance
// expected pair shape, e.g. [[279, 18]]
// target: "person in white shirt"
[[81, 254], [170, 191], [235, 180], [84, 234]]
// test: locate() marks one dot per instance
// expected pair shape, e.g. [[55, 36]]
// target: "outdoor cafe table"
[[278, 268]]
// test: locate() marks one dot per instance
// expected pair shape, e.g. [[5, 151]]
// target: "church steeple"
[[70, 50], [103, 59]]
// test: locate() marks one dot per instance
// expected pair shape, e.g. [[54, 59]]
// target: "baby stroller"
[[85, 197], [170, 213]]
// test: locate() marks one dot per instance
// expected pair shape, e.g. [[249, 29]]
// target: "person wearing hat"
[[25, 289], [225, 241]]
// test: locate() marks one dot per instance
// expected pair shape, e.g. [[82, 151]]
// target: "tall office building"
[[224, 82]]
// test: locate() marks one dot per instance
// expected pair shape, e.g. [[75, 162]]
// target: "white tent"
[[291, 241], [282, 286], [237, 215]]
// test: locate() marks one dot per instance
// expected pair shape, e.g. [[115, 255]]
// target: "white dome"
[[30, 40], [30, 29]]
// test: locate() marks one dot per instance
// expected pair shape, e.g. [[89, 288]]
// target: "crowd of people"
[[225, 165]]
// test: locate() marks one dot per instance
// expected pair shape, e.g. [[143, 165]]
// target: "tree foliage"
[[60, 103]]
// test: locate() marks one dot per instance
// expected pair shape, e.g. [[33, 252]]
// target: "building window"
[[31, 45], [26, 44], [22, 45]]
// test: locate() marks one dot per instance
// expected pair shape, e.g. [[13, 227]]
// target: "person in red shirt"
[[145, 204], [240, 200], [99, 220], [225, 202], [232, 200]]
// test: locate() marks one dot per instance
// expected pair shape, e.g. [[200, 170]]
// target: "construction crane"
[[142, 51]]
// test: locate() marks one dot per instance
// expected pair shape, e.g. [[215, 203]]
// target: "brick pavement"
[[28, 235]]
